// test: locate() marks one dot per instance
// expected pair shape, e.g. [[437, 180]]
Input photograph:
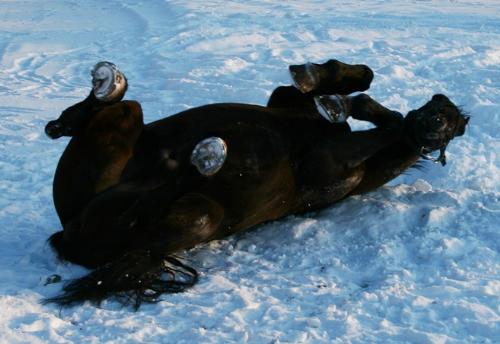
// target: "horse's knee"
[[287, 96]]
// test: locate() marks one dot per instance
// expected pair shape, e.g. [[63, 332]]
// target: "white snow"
[[416, 261]]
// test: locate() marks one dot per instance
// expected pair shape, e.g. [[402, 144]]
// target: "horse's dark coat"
[[122, 186]]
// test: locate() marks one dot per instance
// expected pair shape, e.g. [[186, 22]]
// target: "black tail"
[[137, 276]]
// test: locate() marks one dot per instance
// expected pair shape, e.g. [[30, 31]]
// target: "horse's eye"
[[437, 122], [437, 119], [440, 118]]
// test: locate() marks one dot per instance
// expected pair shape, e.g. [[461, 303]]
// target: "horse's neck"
[[386, 165], [399, 156]]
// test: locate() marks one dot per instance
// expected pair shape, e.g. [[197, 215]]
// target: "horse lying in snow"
[[130, 195]]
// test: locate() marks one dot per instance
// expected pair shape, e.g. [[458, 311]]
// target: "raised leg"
[[331, 77], [311, 79], [362, 107], [337, 108]]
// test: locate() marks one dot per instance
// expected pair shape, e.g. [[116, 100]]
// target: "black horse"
[[130, 195]]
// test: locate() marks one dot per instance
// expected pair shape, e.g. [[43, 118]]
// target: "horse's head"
[[108, 87], [434, 125]]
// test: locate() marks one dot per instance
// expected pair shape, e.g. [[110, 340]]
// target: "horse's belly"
[[256, 183]]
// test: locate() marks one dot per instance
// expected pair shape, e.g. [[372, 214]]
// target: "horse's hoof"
[[108, 82], [332, 108], [209, 155], [305, 77]]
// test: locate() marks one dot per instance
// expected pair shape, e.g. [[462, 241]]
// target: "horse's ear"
[[464, 120], [109, 84]]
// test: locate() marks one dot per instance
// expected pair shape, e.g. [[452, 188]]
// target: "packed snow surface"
[[415, 261]]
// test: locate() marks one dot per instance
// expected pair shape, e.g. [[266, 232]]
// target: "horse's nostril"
[[54, 129]]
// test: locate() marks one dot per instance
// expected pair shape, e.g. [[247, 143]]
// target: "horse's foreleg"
[[357, 147], [337, 108], [298, 104], [362, 107], [331, 77]]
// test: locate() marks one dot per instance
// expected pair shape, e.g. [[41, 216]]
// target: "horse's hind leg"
[[121, 219], [140, 268]]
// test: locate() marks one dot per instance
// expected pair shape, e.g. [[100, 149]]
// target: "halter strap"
[[424, 153]]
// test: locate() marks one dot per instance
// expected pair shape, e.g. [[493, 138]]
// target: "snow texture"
[[416, 261]]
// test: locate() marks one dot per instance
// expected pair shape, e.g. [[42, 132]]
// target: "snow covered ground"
[[416, 261]]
